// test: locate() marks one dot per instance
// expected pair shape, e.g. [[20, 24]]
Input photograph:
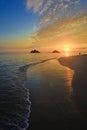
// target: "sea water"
[[14, 95]]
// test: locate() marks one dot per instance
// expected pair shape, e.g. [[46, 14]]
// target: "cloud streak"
[[51, 10], [74, 29], [60, 20]]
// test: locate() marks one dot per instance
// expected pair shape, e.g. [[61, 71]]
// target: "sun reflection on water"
[[67, 54]]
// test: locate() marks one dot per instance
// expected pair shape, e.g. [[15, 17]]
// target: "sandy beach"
[[51, 104], [79, 81]]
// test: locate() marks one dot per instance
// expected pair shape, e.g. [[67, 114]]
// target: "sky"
[[42, 24]]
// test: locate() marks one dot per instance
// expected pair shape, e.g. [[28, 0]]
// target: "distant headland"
[[34, 51]]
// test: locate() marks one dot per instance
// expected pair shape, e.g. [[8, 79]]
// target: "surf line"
[[24, 68]]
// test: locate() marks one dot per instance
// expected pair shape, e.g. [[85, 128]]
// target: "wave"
[[23, 72], [24, 68], [14, 101], [14, 98]]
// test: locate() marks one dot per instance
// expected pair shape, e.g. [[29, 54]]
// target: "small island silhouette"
[[34, 51], [55, 51]]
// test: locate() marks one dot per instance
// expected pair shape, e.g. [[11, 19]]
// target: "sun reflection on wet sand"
[[69, 75]]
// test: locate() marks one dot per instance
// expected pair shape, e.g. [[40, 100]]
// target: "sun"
[[67, 49]]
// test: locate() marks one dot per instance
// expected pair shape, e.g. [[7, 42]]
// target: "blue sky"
[[15, 20], [18, 23]]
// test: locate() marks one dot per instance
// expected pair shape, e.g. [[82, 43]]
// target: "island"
[[55, 51], [34, 51]]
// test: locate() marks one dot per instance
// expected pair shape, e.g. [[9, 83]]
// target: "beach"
[[43, 91], [43, 64], [52, 105], [79, 81]]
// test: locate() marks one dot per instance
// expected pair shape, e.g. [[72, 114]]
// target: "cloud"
[[50, 10], [59, 21], [73, 29], [35, 4]]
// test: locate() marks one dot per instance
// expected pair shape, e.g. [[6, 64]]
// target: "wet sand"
[[79, 81], [51, 104]]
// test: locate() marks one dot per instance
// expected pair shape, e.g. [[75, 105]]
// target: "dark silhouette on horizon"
[[34, 51], [55, 51]]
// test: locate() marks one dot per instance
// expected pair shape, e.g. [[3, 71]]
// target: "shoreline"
[[79, 81], [49, 105], [77, 62]]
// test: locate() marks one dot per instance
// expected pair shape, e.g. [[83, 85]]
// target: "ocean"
[[14, 96], [20, 71]]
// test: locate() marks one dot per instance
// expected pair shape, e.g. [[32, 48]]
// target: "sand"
[[79, 81], [51, 106]]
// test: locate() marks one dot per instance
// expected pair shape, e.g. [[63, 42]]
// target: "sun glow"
[[67, 49]]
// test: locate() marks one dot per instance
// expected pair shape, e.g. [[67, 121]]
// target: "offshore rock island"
[[55, 51], [34, 51]]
